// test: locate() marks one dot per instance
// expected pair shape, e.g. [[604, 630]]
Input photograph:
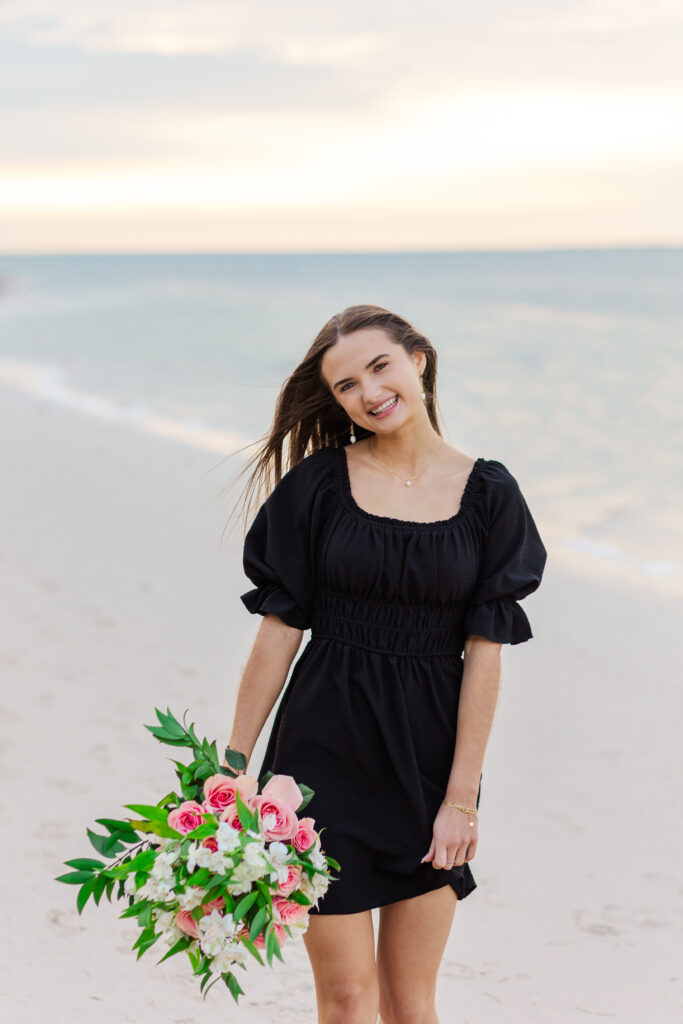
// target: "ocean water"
[[566, 365]]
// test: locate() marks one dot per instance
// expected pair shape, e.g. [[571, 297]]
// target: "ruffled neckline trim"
[[353, 506]]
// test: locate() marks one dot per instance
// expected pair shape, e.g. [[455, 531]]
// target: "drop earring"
[[422, 394], [353, 436]]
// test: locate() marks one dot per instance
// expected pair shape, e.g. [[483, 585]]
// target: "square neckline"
[[391, 520]]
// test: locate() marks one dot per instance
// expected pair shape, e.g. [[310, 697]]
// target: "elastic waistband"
[[377, 625]]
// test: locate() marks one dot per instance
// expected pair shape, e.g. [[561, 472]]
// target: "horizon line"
[[628, 247]]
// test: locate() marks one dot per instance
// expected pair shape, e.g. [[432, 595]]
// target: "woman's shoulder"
[[495, 485], [494, 473]]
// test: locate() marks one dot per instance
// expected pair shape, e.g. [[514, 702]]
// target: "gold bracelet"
[[466, 810]]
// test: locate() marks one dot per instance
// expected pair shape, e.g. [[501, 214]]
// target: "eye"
[[376, 367]]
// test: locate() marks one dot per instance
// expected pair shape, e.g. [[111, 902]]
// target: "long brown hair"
[[307, 415]]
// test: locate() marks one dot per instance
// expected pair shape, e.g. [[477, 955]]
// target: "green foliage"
[[179, 946], [308, 795], [127, 841], [244, 904], [248, 818], [234, 986], [258, 923]]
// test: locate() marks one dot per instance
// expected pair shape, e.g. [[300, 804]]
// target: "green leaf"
[[167, 799], [252, 949], [121, 829], [179, 946], [84, 863], [149, 811], [301, 898], [170, 725], [106, 845], [99, 887], [265, 891], [257, 924], [165, 737], [145, 947], [145, 916], [244, 904], [270, 941], [234, 986], [199, 877], [157, 828], [142, 861], [247, 818], [75, 877], [144, 935], [307, 794], [333, 863], [84, 893], [201, 831]]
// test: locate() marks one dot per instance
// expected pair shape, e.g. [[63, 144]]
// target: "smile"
[[384, 407]]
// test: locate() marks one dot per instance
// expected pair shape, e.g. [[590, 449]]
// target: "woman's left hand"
[[454, 840]]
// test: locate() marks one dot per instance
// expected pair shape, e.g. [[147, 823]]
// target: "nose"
[[372, 394]]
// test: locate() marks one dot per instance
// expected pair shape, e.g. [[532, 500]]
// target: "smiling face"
[[374, 379]]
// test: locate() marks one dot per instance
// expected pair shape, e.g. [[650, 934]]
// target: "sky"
[[159, 125]]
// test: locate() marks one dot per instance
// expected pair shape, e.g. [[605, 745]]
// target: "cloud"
[[385, 106]]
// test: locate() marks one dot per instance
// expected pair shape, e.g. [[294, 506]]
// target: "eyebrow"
[[384, 355]]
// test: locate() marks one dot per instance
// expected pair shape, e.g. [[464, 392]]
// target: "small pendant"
[[407, 483]]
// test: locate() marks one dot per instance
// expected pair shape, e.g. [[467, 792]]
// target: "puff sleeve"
[[277, 554], [511, 564]]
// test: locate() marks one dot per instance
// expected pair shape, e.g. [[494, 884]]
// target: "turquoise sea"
[[567, 365]]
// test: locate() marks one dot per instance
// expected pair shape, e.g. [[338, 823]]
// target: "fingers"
[[429, 854], [447, 857]]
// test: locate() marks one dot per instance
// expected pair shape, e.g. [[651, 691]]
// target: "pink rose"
[[231, 815], [284, 788], [292, 881], [186, 817], [185, 921], [306, 835], [289, 912], [284, 821], [217, 904], [211, 843], [219, 791]]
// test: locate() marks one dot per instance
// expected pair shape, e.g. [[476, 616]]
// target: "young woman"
[[406, 558]]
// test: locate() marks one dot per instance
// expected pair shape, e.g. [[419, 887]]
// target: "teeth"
[[382, 408]]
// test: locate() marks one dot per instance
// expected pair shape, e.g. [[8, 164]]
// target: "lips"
[[384, 407]]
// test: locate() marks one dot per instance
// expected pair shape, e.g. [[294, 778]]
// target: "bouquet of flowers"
[[219, 870]]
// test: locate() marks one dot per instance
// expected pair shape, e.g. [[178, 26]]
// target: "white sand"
[[118, 596]]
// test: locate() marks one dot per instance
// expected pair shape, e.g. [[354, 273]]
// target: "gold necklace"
[[410, 479]]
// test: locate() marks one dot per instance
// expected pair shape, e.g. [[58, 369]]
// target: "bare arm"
[[454, 840], [262, 680], [477, 705]]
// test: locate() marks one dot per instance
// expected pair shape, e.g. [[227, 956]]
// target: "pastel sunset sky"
[[155, 125]]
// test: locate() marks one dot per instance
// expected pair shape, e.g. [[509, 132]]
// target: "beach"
[[120, 596]]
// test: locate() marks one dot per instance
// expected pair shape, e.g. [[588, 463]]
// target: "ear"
[[420, 361]]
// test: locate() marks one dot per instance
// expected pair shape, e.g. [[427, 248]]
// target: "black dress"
[[368, 718]]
